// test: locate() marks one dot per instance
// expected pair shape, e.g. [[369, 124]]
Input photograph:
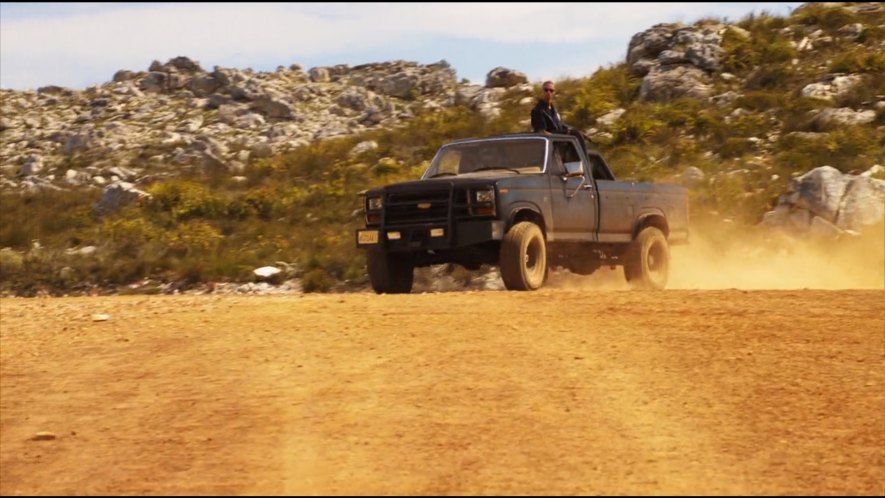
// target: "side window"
[[555, 166], [563, 152], [568, 151], [600, 172]]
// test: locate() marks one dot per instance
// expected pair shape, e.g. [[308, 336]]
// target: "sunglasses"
[[550, 90]]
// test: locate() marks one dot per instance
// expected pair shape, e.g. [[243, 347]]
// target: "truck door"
[[573, 198]]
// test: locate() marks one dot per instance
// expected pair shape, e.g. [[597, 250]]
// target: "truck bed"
[[623, 202]]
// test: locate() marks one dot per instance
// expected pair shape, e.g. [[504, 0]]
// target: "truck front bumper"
[[429, 237]]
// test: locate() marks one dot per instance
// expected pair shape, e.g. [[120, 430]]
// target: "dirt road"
[[550, 392]]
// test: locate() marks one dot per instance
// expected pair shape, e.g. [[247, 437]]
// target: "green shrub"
[[385, 166], [739, 54], [871, 35], [735, 147], [264, 203], [316, 280], [11, 262], [829, 18], [765, 22], [638, 125], [750, 125], [681, 112], [52, 217], [765, 45], [191, 271], [778, 51], [131, 232], [761, 101], [797, 115], [355, 271], [185, 199], [195, 237], [770, 76], [847, 149], [794, 160], [607, 89], [859, 60]]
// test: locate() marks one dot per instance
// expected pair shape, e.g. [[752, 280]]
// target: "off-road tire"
[[390, 273], [647, 264], [523, 257]]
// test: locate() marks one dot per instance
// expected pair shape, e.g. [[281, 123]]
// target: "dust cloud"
[[727, 256], [755, 258]]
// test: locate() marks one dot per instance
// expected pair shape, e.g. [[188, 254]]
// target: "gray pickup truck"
[[526, 203]]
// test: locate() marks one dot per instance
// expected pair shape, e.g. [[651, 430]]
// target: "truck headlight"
[[483, 196], [374, 203], [483, 202]]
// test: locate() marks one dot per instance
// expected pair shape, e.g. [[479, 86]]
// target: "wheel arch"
[[651, 219], [527, 213]]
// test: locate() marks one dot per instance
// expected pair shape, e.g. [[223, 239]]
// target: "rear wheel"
[[523, 257], [647, 264], [390, 273]]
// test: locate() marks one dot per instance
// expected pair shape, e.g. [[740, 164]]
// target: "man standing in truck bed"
[[545, 118]]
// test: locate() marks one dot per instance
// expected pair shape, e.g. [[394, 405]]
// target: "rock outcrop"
[[177, 116], [827, 202], [676, 60]]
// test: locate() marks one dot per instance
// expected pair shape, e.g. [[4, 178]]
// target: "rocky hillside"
[[237, 169], [834, 65], [176, 117]]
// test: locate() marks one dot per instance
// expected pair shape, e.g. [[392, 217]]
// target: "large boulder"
[[819, 191], [116, 196], [844, 116], [863, 204], [182, 64], [503, 77], [673, 81], [826, 202], [676, 60], [831, 86], [651, 42]]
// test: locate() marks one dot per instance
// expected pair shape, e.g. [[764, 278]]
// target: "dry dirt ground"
[[551, 392]]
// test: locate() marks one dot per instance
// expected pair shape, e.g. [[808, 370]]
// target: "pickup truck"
[[525, 203]]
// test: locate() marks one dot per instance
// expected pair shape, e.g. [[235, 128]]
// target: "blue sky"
[[82, 44]]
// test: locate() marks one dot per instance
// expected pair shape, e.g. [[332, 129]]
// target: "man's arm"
[[538, 120]]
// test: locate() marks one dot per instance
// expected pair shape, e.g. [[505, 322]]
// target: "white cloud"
[[88, 45]]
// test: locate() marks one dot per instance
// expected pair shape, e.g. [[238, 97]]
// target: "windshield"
[[524, 155]]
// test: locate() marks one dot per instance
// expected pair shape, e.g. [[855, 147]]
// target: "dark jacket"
[[546, 118]]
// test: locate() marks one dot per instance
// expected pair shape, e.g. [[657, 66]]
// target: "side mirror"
[[574, 168]]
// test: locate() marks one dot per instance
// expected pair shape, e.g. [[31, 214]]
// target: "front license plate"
[[367, 237]]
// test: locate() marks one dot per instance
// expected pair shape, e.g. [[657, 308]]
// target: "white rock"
[[43, 436], [266, 271], [874, 170]]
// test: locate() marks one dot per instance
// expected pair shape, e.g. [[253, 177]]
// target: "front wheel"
[[647, 264], [390, 273], [523, 257]]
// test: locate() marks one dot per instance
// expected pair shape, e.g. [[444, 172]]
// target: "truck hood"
[[478, 179]]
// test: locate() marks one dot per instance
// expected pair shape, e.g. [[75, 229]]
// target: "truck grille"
[[426, 207]]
